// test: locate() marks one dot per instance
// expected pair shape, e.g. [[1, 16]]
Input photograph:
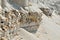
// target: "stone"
[[46, 11]]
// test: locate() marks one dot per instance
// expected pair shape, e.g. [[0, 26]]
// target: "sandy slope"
[[24, 35], [50, 30]]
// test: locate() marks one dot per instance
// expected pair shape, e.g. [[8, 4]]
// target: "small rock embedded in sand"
[[46, 11]]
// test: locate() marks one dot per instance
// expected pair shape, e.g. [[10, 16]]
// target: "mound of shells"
[[11, 21]]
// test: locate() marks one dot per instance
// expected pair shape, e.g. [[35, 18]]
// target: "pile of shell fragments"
[[11, 21]]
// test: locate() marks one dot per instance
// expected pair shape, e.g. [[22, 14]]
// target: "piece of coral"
[[11, 21]]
